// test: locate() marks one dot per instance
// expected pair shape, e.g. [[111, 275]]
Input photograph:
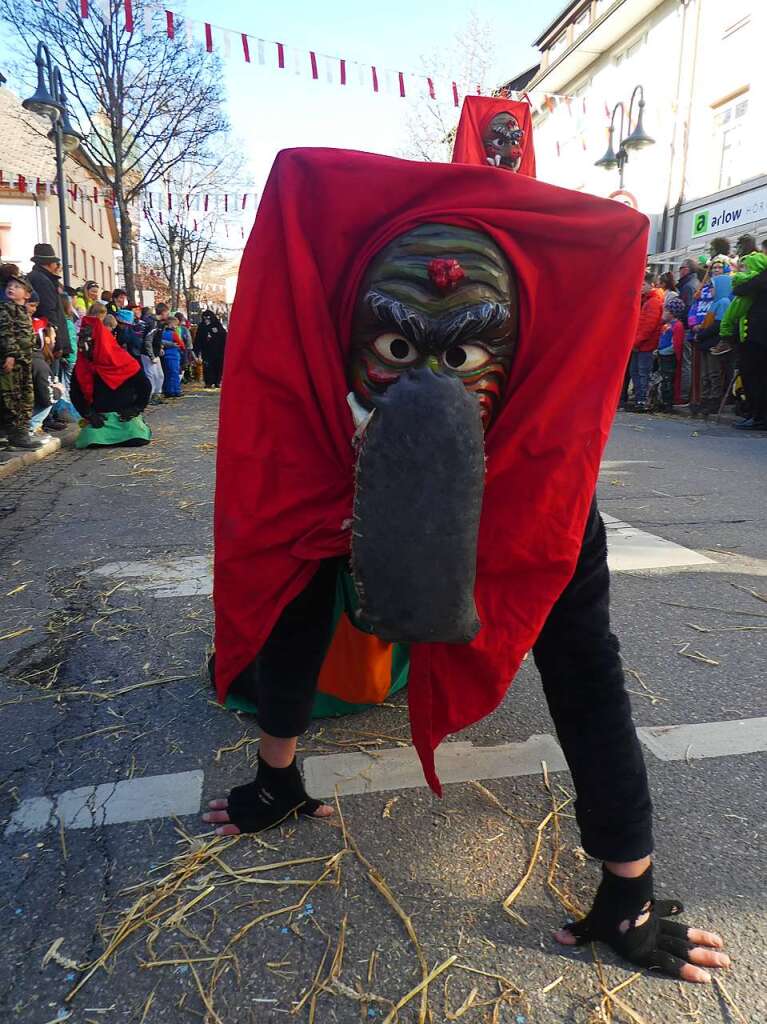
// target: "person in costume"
[[109, 390], [210, 343], [396, 368], [496, 132]]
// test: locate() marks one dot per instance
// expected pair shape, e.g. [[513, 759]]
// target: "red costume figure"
[[495, 132], [401, 392]]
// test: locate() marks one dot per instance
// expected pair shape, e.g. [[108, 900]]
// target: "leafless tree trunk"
[[144, 103]]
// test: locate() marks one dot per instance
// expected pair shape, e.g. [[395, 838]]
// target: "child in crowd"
[[47, 390], [670, 347], [17, 343], [171, 363]]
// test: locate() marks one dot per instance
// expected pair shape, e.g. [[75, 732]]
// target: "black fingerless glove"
[[627, 918]]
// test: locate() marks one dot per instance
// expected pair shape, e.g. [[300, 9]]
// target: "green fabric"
[[114, 432], [734, 322], [325, 705]]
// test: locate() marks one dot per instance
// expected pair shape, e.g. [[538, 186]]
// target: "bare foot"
[[219, 815]]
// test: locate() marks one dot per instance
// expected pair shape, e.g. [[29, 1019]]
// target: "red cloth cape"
[[476, 112], [110, 362], [285, 469]]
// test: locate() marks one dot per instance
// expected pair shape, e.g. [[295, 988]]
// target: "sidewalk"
[[12, 461]]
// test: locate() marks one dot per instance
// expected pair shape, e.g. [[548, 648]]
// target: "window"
[[109, 278], [101, 222], [70, 188], [92, 214], [73, 257], [5, 238], [581, 23], [729, 129], [103, 278], [93, 267], [558, 46], [82, 203], [85, 262], [631, 50]]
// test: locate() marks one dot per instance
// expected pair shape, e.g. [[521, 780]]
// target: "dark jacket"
[[756, 319], [131, 398], [46, 285], [42, 378], [688, 286]]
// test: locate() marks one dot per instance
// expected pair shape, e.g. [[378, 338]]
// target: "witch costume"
[[495, 132], [109, 390], [403, 410], [210, 343]]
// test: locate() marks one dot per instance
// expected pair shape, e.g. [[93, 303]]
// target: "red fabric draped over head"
[[476, 114], [285, 461], [108, 361]]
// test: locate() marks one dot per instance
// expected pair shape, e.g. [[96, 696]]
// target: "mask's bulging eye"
[[393, 348], [467, 358]]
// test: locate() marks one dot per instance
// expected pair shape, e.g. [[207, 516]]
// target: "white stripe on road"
[[399, 767], [708, 739], [628, 548], [164, 577], [155, 796], [161, 796]]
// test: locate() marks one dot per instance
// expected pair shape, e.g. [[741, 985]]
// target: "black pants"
[[212, 367], [577, 657], [753, 368], [667, 372]]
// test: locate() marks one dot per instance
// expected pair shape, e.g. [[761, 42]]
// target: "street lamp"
[[638, 139], [49, 100]]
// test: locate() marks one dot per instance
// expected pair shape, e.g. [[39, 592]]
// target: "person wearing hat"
[[127, 335], [17, 343]]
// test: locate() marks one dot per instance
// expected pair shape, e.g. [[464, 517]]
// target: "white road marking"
[[399, 767], [629, 548], [708, 739], [155, 796], [161, 796], [164, 577]]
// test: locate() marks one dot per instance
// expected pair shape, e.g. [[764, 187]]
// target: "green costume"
[[735, 320]]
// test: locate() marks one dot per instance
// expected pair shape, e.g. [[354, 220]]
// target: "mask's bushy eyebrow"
[[466, 323], [449, 330], [393, 313]]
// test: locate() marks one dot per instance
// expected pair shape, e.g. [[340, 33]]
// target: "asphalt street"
[[117, 907]]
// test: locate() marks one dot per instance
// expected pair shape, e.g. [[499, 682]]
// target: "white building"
[[706, 104]]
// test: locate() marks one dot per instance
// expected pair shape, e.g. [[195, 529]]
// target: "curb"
[[17, 462], [21, 459]]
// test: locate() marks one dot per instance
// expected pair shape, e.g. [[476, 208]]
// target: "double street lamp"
[[49, 100], [638, 139]]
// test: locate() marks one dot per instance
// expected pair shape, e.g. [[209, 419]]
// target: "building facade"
[[706, 101], [29, 211]]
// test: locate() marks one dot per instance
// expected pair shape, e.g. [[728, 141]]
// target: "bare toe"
[[324, 811], [216, 816], [695, 974], [228, 830], [565, 937]]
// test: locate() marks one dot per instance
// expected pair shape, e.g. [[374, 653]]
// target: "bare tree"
[[143, 101], [181, 240], [431, 125]]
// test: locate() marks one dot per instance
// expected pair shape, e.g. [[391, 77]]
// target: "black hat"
[[44, 254]]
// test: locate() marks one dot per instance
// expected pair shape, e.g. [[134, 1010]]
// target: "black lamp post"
[[638, 139], [49, 100]]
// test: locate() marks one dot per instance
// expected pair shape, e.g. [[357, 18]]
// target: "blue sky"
[[271, 110]]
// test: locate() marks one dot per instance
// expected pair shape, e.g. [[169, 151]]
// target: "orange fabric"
[[357, 668]]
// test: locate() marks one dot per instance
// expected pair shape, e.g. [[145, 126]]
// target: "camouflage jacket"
[[17, 338]]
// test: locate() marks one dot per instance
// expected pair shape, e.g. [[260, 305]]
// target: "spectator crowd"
[[81, 355], [701, 341]]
